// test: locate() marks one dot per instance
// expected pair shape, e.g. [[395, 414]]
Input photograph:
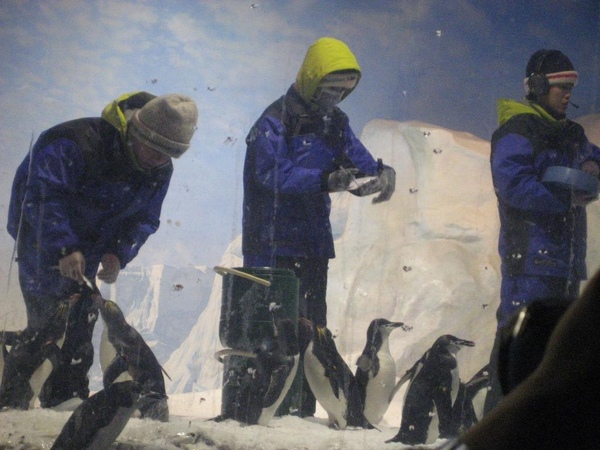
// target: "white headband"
[[568, 76]]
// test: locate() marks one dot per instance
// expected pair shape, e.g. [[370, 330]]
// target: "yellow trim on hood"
[[324, 56], [509, 108], [114, 113]]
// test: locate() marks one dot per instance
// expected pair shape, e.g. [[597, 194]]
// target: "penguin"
[[69, 381], [131, 356], [434, 382], [464, 409], [271, 376], [376, 371], [329, 377], [34, 352], [98, 420]]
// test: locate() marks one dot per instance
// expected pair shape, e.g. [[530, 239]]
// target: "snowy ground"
[[189, 428]]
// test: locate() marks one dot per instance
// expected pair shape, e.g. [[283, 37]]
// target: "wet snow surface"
[[38, 428]]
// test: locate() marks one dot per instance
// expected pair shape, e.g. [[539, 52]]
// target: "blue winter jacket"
[[290, 153], [78, 190], [541, 232]]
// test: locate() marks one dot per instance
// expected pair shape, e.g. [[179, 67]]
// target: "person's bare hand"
[[72, 266], [111, 266], [591, 167]]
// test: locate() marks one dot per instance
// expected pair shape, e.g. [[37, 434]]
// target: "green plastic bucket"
[[248, 294], [245, 305]]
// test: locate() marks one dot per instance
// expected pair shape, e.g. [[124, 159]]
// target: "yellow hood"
[[324, 56], [118, 111]]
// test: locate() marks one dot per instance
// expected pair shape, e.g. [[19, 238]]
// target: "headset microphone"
[[573, 105]]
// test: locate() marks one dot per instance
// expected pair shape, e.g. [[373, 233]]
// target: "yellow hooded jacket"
[[324, 56]]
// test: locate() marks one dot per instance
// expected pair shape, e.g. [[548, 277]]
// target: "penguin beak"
[[465, 343], [393, 325]]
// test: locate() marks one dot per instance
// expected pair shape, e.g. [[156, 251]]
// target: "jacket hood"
[[507, 109], [120, 110], [324, 56]]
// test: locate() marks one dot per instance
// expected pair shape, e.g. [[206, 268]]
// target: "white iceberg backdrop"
[[428, 258]]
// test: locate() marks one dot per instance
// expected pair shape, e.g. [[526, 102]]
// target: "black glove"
[[340, 179], [387, 178], [385, 184]]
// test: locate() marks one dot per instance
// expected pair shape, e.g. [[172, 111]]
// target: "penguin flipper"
[[116, 367], [52, 352], [276, 384], [479, 380], [410, 373], [335, 368], [364, 363]]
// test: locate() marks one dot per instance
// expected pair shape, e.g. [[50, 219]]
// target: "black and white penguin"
[[464, 409], [376, 371], [123, 351], [329, 377], [434, 382], [272, 374], [97, 422], [34, 352]]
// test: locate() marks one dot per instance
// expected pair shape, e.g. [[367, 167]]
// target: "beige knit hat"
[[166, 124]]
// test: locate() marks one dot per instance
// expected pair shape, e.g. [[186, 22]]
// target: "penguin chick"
[[329, 377], [376, 371], [434, 382]]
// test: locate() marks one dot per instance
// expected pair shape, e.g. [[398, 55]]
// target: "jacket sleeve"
[[52, 175], [591, 153], [274, 168], [359, 155], [515, 178]]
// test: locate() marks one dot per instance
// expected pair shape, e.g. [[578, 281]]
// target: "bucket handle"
[[226, 270], [231, 352]]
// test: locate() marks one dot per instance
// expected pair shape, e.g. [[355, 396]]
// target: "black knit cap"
[[548, 61]]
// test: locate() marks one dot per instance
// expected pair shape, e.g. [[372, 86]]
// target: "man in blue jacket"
[[301, 149], [84, 200], [543, 227]]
